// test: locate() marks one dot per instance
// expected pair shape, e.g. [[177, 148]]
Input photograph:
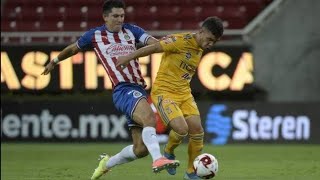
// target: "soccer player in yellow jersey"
[[171, 92]]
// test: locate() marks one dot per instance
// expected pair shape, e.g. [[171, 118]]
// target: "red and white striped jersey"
[[108, 46]]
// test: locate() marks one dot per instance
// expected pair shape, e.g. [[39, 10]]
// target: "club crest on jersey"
[[126, 36], [168, 110], [137, 94], [187, 36], [188, 55]]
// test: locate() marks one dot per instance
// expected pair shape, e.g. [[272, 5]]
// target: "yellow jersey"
[[179, 62]]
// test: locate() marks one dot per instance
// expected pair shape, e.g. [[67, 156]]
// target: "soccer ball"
[[205, 166]]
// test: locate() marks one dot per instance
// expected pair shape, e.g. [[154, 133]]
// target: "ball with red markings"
[[205, 166]]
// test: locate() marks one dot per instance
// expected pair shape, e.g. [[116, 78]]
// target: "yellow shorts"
[[171, 106]]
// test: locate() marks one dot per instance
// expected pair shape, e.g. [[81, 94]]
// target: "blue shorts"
[[126, 97]]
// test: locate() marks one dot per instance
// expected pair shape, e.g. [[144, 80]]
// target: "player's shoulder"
[[184, 35], [180, 38], [131, 26]]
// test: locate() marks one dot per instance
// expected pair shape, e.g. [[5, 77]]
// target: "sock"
[[194, 149], [174, 140], [124, 156], [149, 138]]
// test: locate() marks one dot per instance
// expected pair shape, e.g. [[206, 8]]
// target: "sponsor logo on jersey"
[[187, 67], [115, 50], [186, 76]]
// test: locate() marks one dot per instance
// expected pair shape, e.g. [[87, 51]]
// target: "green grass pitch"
[[62, 161]]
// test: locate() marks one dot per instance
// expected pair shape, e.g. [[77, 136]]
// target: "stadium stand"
[[78, 15]]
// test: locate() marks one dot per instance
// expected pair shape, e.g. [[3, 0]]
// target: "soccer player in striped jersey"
[[171, 92], [113, 39]]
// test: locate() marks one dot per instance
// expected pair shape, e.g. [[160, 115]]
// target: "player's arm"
[[67, 52], [152, 40], [145, 51]]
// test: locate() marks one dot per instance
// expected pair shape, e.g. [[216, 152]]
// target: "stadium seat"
[[190, 25], [28, 26], [55, 14], [11, 13], [94, 15], [170, 25], [32, 13], [5, 26], [145, 13], [168, 12], [51, 26], [75, 26], [149, 25], [188, 13], [77, 15], [81, 14]]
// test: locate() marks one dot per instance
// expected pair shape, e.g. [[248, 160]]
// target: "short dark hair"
[[109, 4], [214, 25]]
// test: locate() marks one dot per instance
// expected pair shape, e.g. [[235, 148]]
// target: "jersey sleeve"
[[171, 43], [85, 41], [139, 33]]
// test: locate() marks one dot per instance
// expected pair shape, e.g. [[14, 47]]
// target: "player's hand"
[[49, 67], [122, 62]]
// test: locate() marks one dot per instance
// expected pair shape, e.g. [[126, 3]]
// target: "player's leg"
[[172, 116], [195, 144], [127, 154], [196, 134], [144, 115], [179, 130], [102, 168], [174, 140], [131, 99], [131, 152]]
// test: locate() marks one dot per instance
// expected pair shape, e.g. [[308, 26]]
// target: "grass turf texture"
[[77, 161]]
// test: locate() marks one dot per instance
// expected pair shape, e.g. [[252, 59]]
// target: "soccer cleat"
[[164, 163], [191, 176], [171, 171], [101, 169]]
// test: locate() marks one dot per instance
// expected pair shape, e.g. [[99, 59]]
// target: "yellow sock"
[[174, 140], [194, 149]]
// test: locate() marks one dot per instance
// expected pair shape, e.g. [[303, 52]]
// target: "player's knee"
[[179, 125], [196, 130], [141, 151], [182, 132]]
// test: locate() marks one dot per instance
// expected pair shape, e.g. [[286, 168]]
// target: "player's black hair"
[[214, 25], [109, 4]]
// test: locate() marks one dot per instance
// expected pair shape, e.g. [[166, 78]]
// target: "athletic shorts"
[[126, 97], [171, 106]]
